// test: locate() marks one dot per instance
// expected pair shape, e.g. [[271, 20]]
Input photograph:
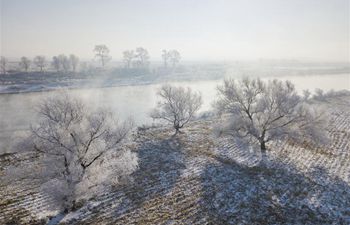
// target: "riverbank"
[[20, 82]]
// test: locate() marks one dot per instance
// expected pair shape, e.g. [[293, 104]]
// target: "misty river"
[[17, 111]]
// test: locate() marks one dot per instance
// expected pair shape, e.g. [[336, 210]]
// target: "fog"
[[157, 111], [200, 30], [135, 102]]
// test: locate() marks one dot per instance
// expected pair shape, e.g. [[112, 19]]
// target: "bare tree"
[[165, 57], [306, 95], [322, 96], [56, 63], [25, 63], [40, 62], [102, 53], [65, 62], [62, 62], [74, 61], [319, 94], [142, 57], [78, 146], [3, 64], [259, 112], [128, 56], [178, 106], [174, 57]]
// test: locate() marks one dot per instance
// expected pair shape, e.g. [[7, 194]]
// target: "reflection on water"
[[17, 111]]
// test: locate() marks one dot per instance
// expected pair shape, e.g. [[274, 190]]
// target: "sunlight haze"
[[200, 30]]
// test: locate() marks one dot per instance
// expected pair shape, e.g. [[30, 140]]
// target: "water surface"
[[17, 111]]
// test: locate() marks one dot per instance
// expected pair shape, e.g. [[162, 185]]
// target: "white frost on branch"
[[177, 106], [81, 151], [259, 112]]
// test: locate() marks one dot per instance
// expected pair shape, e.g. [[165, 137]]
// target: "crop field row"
[[198, 178]]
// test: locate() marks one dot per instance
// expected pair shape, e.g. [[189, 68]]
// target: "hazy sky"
[[199, 29]]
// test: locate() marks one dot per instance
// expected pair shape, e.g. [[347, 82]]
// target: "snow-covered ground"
[[197, 178]]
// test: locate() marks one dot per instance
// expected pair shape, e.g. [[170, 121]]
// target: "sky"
[[198, 29]]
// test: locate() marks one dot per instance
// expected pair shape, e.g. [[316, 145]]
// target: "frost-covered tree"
[[128, 56], [174, 57], [165, 57], [319, 94], [65, 63], [260, 112], [80, 149], [74, 61], [322, 96], [40, 62], [177, 106], [25, 63], [56, 64], [306, 95], [3, 64], [102, 53], [142, 57]]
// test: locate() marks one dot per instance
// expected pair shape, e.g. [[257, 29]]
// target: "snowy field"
[[174, 112], [197, 178]]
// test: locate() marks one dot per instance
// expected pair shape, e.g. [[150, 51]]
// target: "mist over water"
[[111, 110], [17, 111]]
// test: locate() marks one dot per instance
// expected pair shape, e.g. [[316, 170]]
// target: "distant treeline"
[[133, 61]]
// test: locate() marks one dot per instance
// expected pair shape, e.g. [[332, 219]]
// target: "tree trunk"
[[263, 147], [263, 153], [176, 130]]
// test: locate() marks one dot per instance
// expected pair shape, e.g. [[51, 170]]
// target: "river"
[[17, 111]]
